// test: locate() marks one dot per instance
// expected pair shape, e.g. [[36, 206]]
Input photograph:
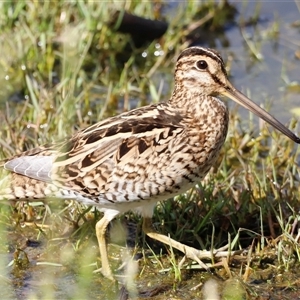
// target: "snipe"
[[131, 161]]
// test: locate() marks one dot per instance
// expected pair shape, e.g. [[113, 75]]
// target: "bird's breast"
[[206, 134]]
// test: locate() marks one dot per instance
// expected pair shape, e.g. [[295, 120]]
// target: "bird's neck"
[[193, 103], [205, 121], [208, 115]]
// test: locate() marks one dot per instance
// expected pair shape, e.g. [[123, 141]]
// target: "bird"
[[137, 158]]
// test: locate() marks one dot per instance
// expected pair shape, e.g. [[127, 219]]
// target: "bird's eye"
[[201, 64]]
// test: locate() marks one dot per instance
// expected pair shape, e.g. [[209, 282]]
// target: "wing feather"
[[37, 167], [93, 160]]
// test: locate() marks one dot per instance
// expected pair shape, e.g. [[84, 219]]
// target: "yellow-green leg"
[[189, 252], [100, 232]]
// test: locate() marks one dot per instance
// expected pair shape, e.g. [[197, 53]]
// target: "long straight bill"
[[241, 99]]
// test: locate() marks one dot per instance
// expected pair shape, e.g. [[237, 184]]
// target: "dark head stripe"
[[192, 51]]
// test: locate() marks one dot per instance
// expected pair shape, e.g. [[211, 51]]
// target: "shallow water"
[[268, 80]]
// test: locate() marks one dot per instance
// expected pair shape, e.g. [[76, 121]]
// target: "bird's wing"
[[87, 161]]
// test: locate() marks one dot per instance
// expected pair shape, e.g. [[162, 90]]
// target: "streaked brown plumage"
[[131, 161]]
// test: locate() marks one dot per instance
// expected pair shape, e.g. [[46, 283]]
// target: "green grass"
[[68, 66]]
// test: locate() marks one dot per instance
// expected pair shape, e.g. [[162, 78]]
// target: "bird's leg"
[[189, 252], [100, 232]]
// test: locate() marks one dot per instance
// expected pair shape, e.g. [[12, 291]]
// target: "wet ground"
[[58, 264], [53, 268]]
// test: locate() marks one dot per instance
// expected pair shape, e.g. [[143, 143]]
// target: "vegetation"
[[65, 67]]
